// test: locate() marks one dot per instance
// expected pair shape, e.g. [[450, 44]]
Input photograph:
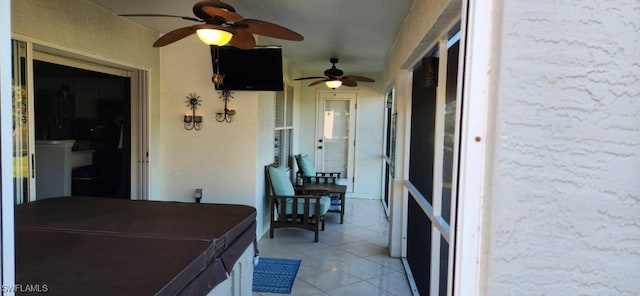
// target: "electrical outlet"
[[198, 194]]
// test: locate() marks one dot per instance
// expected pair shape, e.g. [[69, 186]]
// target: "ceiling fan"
[[335, 77], [222, 25]]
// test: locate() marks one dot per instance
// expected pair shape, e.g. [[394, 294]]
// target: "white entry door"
[[335, 134]]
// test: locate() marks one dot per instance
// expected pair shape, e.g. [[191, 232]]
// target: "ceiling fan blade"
[[350, 83], [317, 82], [163, 15], [358, 78], [271, 30], [243, 39], [310, 77], [174, 36], [227, 15]]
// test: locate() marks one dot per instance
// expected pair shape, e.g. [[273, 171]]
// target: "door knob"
[[319, 147]]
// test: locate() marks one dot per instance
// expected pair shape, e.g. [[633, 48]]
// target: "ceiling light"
[[214, 36], [333, 83]]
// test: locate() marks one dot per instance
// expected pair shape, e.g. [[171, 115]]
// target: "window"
[[433, 163], [283, 131], [390, 147]]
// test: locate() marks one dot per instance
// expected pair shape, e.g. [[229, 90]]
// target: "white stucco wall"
[[563, 197], [426, 22], [369, 142], [226, 160], [205, 158], [265, 142], [84, 28]]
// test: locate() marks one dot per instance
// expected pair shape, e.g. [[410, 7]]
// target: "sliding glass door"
[[58, 100], [22, 150]]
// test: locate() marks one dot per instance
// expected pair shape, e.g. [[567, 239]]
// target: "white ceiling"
[[358, 32]]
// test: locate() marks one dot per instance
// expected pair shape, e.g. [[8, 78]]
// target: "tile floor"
[[349, 259]]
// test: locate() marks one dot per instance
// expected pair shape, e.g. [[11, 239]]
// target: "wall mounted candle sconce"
[[228, 114], [193, 121]]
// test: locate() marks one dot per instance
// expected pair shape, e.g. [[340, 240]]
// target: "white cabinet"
[[53, 168]]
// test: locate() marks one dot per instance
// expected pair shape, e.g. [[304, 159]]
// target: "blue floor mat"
[[275, 275]]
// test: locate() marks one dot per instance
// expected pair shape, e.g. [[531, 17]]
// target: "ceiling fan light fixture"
[[333, 83], [214, 36]]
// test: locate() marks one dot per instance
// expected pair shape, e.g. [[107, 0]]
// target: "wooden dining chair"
[[314, 181], [291, 210]]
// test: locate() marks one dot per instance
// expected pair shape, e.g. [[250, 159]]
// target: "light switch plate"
[[198, 194]]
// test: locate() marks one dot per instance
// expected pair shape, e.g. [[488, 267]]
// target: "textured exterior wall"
[[226, 160], [564, 205], [426, 21], [82, 27]]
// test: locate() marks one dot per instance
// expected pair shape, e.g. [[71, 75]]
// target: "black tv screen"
[[259, 68]]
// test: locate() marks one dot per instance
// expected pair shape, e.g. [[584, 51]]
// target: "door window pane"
[[444, 266], [419, 245], [283, 130], [336, 136], [423, 113], [280, 104], [21, 153], [449, 130], [282, 147]]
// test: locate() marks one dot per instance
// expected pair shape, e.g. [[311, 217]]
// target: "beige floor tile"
[[358, 289], [363, 268], [350, 258], [394, 283]]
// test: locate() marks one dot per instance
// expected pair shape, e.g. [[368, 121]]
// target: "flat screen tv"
[[259, 68]]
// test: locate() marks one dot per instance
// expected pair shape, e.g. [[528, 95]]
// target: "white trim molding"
[[7, 239], [477, 34]]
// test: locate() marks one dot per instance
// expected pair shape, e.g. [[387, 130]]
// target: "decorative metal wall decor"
[[228, 114], [193, 121]]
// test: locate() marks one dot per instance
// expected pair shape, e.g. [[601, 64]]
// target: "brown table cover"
[[102, 246]]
